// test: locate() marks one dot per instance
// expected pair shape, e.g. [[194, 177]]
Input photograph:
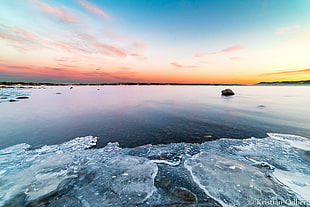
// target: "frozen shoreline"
[[226, 172]]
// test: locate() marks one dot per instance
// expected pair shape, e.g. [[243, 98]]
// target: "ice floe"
[[273, 171]]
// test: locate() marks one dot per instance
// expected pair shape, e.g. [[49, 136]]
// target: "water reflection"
[[138, 115]]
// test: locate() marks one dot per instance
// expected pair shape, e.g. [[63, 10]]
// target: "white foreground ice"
[[230, 182], [228, 172]]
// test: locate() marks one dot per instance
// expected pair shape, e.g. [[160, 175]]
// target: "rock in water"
[[12, 100], [22, 97], [227, 92], [184, 195]]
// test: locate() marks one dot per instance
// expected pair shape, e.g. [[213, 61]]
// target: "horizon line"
[[142, 83]]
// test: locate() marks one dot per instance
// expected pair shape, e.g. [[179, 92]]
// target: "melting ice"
[[225, 172]]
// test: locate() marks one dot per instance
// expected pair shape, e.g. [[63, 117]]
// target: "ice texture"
[[298, 182], [122, 180], [230, 182], [225, 172], [10, 93], [34, 174]]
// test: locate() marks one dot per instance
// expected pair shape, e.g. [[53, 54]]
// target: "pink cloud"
[[19, 38], [301, 37], [124, 68], [15, 71], [13, 66], [114, 50], [110, 33], [94, 45], [229, 49], [135, 54], [182, 66], [199, 55], [63, 45], [138, 56], [233, 48], [84, 44], [135, 48], [22, 32], [26, 40], [63, 14], [94, 9], [104, 48], [205, 62], [139, 45], [61, 59], [283, 30], [234, 58], [67, 66]]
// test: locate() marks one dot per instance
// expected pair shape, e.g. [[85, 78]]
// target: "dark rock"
[[66, 201], [265, 165], [164, 183], [22, 97], [71, 87], [63, 201], [4, 98], [12, 100], [227, 92], [184, 195], [58, 93]]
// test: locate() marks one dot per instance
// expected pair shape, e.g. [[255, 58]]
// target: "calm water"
[[139, 115]]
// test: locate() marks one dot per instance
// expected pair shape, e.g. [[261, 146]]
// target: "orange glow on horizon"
[[91, 41]]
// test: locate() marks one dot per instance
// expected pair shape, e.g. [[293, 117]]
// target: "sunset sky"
[[186, 41]]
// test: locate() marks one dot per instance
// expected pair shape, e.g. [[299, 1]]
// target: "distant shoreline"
[[285, 83], [278, 83], [112, 84]]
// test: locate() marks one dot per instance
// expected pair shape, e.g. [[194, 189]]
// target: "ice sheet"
[[226, 172]]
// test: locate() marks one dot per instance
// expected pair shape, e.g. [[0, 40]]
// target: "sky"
[[184, 41]]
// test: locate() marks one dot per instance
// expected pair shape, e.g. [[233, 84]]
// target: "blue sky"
[[154, 40]]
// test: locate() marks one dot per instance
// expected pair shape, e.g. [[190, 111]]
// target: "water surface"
[[139, 115]]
